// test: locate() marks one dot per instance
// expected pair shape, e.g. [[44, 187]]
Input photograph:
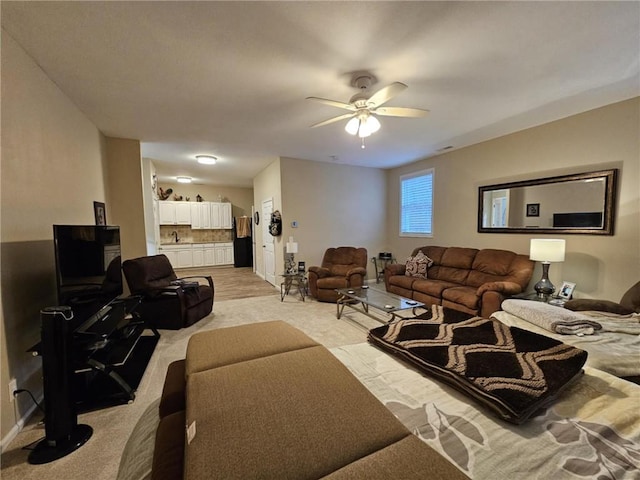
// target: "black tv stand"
[[98, 364]]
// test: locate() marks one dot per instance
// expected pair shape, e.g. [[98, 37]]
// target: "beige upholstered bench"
[[266, 401]]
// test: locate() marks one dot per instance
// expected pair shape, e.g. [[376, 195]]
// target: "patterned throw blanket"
[[511, 371]]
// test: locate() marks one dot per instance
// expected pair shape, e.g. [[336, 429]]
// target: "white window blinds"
[[416, 204]]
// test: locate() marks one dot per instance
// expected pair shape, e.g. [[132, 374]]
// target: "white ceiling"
[[231, 78]]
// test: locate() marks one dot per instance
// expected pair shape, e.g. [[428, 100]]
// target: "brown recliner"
[[342, 267], [168, 302]]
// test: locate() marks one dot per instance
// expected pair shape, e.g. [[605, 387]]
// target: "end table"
[[297, 279]]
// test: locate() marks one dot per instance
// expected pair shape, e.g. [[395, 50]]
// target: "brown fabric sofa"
[[266, 401], [342, 267], [465, 279]]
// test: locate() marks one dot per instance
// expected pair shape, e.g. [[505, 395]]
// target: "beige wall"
[[334, 205], [602, 266], [53, 164], [124, 204]]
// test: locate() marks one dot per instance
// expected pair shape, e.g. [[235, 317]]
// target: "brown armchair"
[[342, 267], [168, 302]]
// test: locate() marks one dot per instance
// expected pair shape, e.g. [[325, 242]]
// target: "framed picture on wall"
[[533, 209], [100, 212]]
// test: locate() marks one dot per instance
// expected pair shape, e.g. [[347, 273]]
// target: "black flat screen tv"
[[88, 268]]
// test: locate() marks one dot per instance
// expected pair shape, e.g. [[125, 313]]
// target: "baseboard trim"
[[19, 425]]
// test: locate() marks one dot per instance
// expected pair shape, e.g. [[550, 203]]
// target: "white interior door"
[[268, 246]]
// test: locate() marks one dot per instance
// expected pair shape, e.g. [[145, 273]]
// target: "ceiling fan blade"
[[385, 94], [332, 120], [400, 112], [333, 103]]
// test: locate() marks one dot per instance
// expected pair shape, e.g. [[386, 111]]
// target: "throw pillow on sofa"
[[417, 266]]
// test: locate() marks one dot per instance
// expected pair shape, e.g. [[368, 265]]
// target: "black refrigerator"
[[242, 242]]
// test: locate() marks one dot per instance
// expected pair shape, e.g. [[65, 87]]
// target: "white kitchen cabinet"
[[209, 254], [198, 255], [175, 213], [180, 256], [200, 215], [171, 255], [224, 253], [167, 213], [225, 216], [205, 214], [183, 213], [196, 222], [215, 215], [184, 258]]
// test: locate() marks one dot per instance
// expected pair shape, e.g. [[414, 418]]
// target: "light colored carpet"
[[99, 458]]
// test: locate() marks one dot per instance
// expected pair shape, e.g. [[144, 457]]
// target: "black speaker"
[[63, 435]]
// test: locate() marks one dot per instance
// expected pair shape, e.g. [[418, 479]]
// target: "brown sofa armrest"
[[357, 271], [507, 288], [320, 272], [395, 269]]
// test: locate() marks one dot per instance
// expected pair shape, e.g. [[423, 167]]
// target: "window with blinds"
[[416, 204]]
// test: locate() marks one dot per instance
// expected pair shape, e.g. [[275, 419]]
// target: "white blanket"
[[553, 319], [592, 431], [609, 349]]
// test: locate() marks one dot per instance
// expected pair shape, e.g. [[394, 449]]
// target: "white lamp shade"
[[547, 250], [292, 247], [369, 125], [352, 126]]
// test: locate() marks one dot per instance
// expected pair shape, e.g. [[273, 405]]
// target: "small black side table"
[[297, 279]]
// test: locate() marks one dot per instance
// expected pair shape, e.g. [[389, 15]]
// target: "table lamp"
[[291, 249], [546, 251]]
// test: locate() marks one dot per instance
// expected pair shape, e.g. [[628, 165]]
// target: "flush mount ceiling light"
[[184, 179], [365, 106], [206, 159]]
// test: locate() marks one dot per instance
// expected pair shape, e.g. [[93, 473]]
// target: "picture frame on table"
[[533, 209], [100, 213], [566, 290]]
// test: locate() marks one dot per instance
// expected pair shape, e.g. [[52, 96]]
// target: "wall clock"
[[256, 218]]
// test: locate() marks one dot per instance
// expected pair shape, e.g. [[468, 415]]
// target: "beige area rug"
[[99, 458]]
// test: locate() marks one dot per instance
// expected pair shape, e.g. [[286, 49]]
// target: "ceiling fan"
[[365, 106]]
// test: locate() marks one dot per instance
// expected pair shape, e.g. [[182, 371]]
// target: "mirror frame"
[[610, 177]]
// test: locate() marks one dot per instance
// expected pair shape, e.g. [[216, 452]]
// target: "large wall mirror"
[[580, 203]]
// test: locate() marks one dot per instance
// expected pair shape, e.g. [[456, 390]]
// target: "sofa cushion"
[[403, 281], [407, 459], [274, 413], [168, 457], [173, 390], [225, 346], [418, 265], [432, 287], [331, 283], [462, 296]]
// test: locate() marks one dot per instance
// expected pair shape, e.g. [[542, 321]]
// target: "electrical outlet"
[[13, 386]]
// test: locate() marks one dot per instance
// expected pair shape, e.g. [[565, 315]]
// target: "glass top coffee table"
[[383, 301]]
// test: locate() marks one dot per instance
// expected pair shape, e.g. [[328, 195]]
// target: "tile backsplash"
[[187, 235]]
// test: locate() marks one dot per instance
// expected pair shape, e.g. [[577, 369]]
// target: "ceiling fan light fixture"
[[183, 179], [206, 159], [369, 125], [352, 126]]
